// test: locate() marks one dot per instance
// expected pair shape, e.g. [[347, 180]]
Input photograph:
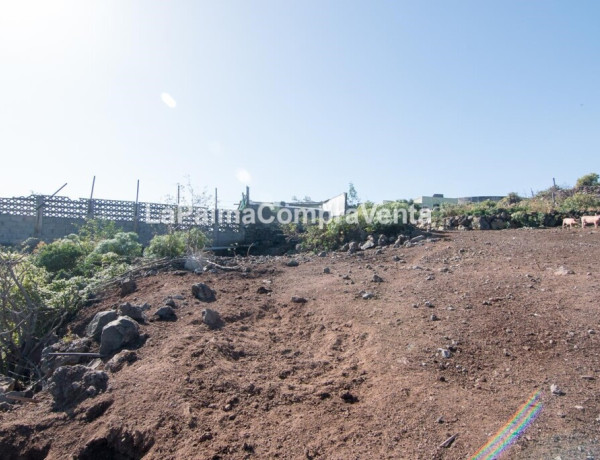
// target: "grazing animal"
[[569, 221], [590, 220]]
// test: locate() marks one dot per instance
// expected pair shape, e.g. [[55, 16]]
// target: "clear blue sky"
[[298, 97]]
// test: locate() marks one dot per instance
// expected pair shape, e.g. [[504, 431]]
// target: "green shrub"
[[195, 240], [529, 219], [589, 180], [386, 219], [31, 308], [177, 244], [580, 202], [97, 229], [65, 294], [171, 245], [123, 244], [61, 255], [511, 199]]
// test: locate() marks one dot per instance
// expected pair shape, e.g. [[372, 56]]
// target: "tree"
[[589, 180], [511, 198], [353, 199]]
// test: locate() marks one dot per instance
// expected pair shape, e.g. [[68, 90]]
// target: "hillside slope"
[[343, 377]]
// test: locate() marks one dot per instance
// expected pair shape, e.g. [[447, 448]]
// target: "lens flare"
[[514, 428]]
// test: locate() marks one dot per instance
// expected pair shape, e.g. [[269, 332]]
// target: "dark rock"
[[166, 313], [192, 264], [133, 311], [327, 270], [263, 290], [203, 293], [97, 410], [368, 245], [94, 328], [118, 333], [117, 362], [555, 390], [171, 303], [498, 224], [72, 384], [377, 279], [382, 240], [211, 318], [298, 299], [416, 239], [128, 286], [400, 241], [49, 362], [292, 263], [481, 223], [353, 247], [349, 397], [323, 254]]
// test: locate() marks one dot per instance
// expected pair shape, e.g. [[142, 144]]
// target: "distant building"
[[431, 202], [438, 199], [333, 207]]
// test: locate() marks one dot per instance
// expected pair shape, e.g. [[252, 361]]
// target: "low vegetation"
[[43, 285], [389, 219], [546, 208]]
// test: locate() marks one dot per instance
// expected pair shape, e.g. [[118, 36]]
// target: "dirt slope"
[[341, 377]]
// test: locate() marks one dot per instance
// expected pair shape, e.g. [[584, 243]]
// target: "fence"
[[52, 217]]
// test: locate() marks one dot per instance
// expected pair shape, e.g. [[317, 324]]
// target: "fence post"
[[136, 212], [90, 210], [216, 221], [39, 205]]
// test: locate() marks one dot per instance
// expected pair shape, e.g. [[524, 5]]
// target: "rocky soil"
[[382, 353]]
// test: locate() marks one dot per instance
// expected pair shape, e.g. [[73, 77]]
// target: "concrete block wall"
[[16, 229]]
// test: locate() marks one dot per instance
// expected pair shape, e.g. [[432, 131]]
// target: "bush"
[[484, 208], [61, 255], [31, 308], [511, 199], [363, 221], [123, 244], [177, 244], [580, 202], [528, 219], [97, 230], [195, 240], [589, 180]]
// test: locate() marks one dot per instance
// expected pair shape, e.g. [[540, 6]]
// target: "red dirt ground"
[[269, 384]]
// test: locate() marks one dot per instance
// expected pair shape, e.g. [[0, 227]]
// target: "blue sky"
[[298, 97]]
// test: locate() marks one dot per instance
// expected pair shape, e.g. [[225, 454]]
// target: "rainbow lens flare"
[[512, 430]]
